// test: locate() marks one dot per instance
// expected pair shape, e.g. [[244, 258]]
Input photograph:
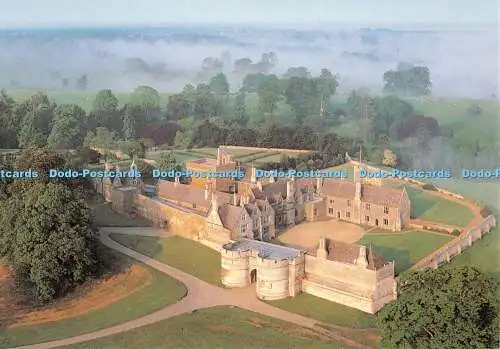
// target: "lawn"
[[405, 249], [215, 328], [161, 291], [178, 252], [326, 311], [425, 205], [104, 216]]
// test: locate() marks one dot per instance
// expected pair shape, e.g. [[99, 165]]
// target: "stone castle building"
[[349, 274], [240, 223]]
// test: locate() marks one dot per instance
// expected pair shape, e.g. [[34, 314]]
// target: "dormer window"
[[348, 203], [367, 206], [386, 210]]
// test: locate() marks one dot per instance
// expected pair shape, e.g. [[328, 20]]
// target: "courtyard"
[[307, 234]]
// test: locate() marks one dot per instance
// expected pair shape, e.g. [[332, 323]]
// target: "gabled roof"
[[346, 253], [230, 216], [382, 195], [190, 194]]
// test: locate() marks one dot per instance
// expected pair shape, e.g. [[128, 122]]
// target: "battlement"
[[272, 263]]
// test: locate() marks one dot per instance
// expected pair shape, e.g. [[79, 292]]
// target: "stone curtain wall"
[[455, 247]]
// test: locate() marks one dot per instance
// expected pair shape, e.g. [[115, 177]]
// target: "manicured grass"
[[405, 249], [326, 311], [216, 328], [104, 216], [178, 252], [449, 212], [161, 292], [425, 205]]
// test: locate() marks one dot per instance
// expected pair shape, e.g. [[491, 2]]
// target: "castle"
[[240, 218]]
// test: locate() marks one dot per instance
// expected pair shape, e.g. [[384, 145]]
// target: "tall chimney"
[[357, 181], [289, 189], [235, 199], [362, 259], [206, 191], [319, 185], [214, 200], [322, 252], [177, 181], [253, 178]]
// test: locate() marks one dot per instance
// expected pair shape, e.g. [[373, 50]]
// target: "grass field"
[[405, 249], [216, 328], [425, 205], [200, 261], [160, 292], [326, 311], [104, 216]]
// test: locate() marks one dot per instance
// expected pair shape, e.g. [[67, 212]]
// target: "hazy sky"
[[38, 13]]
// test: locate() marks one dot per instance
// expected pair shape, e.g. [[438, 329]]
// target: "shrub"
[[486, 211], [456, 232], [429, 186]]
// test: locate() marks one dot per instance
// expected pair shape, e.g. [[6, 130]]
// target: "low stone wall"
[[455, 247], [435, 226], [236, 147]]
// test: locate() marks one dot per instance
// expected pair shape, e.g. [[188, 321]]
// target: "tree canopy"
[[47, 239], [444, 308]]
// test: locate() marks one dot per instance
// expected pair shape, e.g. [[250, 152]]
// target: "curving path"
[[200, 295]]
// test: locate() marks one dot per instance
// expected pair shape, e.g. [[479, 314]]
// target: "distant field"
[[405, 249]]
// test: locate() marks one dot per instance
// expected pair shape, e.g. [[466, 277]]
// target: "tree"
[[302, 95], [37, 115], [160, 133], [270, 93], [102, 139], [408, 80], [299, 72], [166, 161], [389, 158], [82, 83], [147, 100], [364, 116], [327, 85], [251, 82], [47, 239], [240, 109], [132, 148], [132, 122], [219, 85], [9, 123], [105, 112], [205, 104], [390, 109], [69, 127], [461, 313]]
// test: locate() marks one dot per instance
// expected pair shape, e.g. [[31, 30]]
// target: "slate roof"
[[230, 216], [383, 195], [190, 194], [266, 250], [346, 253]]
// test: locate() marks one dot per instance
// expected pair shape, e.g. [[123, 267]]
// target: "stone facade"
[[348, 274]]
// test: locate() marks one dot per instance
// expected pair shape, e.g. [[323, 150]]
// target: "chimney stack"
[[362, 259], [206, 191], [322, 252], [214, 200], [319, 185], [289, 189], [177, 181], [253, 178], [235, 199]]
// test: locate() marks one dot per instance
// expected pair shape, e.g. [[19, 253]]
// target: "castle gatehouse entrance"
[[253, 276]]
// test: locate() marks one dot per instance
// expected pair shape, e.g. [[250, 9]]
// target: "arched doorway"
[[253, 276], [376, 222]]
